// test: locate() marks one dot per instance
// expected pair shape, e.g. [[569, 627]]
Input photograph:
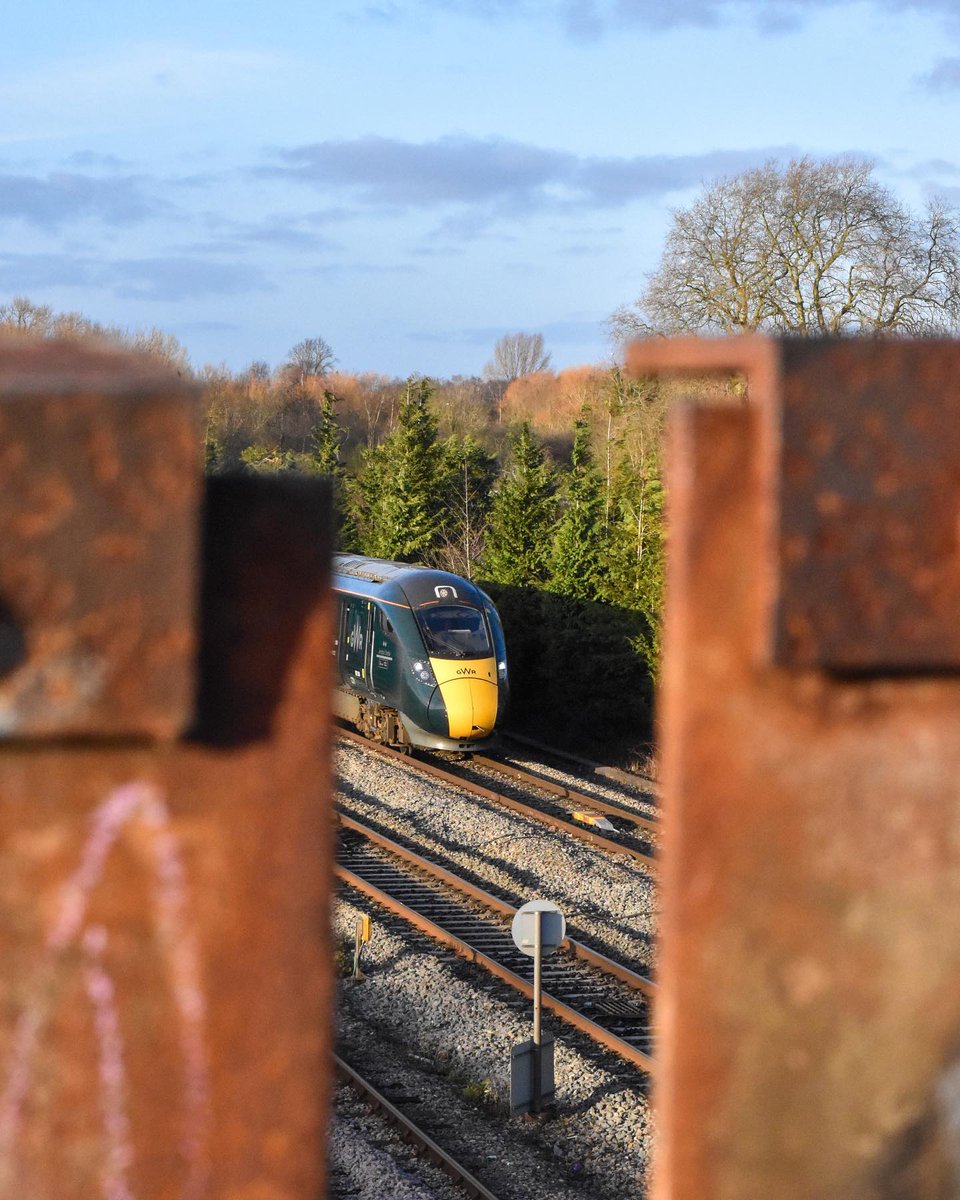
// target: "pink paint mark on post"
[[140, 803], [183, 964], [113, 1082]]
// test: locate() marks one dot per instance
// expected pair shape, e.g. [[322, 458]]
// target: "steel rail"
[[526, 810], [580, 950], [529, 779], [560, 1008], [617, 774], [472, 954], [412, 1132]]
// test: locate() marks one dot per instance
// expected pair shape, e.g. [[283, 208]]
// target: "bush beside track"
[[576, 677]]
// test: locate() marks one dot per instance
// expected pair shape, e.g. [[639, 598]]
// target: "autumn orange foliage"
[[552, 401]]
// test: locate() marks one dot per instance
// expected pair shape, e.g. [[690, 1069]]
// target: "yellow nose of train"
[[469, 691]]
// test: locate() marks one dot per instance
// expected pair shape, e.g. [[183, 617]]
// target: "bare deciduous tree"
[[39, 320], [312, 356], [517, 354], [815, 248], [258, 371], [154, 342], [22, 314]]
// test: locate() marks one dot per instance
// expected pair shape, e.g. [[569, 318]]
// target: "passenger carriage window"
[[455, 631]]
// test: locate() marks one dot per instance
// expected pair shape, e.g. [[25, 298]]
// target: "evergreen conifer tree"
[[634, 578], [211, 455], [326, 440], [588, 631], [522, 511], [580, 542], [468, 474], [398, 495]]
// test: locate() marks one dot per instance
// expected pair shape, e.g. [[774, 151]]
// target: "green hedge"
[[575, 679]]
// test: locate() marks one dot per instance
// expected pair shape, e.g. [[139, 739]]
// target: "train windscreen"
[[455, 631]]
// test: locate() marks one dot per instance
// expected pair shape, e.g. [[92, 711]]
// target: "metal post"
[[360, 939], [531, 1062], [164, 690], [537, 957], [811, 703]]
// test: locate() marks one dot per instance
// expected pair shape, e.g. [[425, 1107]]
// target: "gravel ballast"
[[368, 1160], [427, 1025], [442, 1029], [609, 901], [640, 797]]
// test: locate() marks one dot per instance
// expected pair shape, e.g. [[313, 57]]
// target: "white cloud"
[[944, 77], [496, 176]]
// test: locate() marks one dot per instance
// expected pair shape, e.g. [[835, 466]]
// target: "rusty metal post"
[[165, 981], [810, 1022]]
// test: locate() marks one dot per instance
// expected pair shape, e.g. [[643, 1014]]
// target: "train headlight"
[[502, 670], [424, 672]]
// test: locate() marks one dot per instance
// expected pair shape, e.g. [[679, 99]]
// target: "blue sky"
[[410, 179]]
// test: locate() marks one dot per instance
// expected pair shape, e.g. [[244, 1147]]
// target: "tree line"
[[22, 316], [545, 486], [542, 486], [564, 531]]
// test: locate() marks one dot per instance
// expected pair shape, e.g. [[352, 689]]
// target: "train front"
[[465, 661]]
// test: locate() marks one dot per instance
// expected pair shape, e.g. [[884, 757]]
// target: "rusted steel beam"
[[165, 990], [810, 967], [99, 489], [859, 446]]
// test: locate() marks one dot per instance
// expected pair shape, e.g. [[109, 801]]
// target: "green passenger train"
[[420, 655]]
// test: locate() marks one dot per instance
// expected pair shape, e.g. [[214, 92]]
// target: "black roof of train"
[[378, 570], [406, 583]]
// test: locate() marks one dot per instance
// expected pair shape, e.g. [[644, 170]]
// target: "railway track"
[[412, 1133], [574, 799], [619, 775], [542, 807], [602, 998]]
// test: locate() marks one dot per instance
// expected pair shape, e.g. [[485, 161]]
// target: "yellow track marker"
[[594, 819]]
